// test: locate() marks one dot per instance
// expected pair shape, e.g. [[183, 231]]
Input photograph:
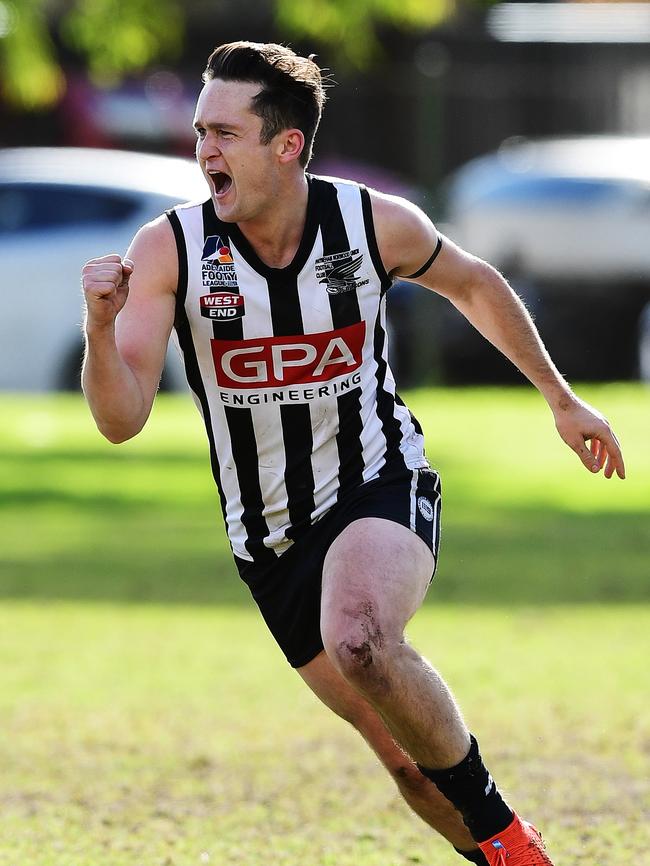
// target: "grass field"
[[145, 710], [524, 521]]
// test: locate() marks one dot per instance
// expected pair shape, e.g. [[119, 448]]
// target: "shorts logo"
[[338, 272], [222, 306], [275, 362], [425, 508]]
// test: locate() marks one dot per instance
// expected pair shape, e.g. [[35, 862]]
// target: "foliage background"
[[115, 37]]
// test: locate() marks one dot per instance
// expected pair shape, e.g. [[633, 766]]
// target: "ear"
[[291, 143]]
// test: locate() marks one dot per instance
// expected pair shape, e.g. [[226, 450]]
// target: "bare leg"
[[423, 797], [375, 576]]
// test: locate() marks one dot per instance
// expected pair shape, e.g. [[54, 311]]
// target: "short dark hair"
[[292, 93]]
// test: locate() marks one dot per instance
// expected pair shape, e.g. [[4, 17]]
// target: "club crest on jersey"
[[222, 306], [339, 272]]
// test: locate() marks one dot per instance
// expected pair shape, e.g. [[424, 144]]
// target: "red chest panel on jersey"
[[276, 362]]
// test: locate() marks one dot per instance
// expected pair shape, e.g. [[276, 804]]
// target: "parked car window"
[[28, 206], [556, 189]]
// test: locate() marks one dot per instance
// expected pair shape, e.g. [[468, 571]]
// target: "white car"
[[562, 207], [60, 207], [568, 221]]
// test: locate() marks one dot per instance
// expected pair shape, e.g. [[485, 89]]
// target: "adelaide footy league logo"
[[339, 272], [219, 276], [215, 250]]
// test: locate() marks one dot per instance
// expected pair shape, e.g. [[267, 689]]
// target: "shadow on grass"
[[81, 456], [180, 555], [110, 504]]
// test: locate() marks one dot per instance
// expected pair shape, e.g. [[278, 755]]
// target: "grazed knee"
[[360, 654], [358, 646]]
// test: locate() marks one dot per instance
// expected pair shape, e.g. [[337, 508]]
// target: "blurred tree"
[[31, 77], [116, 37], [348, 26], [119, 36]]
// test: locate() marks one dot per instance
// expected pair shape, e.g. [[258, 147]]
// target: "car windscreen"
[[38, 206]]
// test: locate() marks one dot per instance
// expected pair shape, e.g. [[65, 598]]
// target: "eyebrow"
[[214, 125]]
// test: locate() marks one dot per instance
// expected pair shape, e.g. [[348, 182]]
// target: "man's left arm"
[[407, 240]]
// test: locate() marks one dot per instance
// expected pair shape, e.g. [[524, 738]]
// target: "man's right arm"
[[130, 307]]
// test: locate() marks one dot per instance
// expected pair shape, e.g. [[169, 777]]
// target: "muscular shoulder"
[[406, 237], [154, 256]]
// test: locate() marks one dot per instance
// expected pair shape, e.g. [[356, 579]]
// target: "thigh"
[[376, 572]]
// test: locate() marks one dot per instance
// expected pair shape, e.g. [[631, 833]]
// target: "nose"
[[207, 147]]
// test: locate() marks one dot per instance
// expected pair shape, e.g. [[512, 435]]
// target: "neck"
[[275, 235]]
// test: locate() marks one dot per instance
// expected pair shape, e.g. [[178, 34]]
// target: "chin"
[[226, 215]]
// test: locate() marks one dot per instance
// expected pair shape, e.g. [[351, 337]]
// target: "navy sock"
[[471, 789], [476, 856]]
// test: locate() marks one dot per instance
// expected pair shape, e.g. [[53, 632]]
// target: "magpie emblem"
[[339, 272]]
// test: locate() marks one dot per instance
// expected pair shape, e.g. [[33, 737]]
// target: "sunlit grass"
[[523, 520], [175, 735], [178, 736]]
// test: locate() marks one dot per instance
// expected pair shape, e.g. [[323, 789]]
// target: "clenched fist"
[[105, 283]]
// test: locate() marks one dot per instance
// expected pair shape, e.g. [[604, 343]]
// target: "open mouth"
[[220, 181]]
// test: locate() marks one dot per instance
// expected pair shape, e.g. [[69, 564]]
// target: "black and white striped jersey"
[[289, 366]]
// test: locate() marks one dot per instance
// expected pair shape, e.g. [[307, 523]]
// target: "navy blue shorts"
[[288, 591]]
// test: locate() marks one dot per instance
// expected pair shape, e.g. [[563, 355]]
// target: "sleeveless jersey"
[[289, 367]]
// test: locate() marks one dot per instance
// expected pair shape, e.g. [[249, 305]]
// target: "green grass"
[[149, 720], [523, 520], [158, 735]]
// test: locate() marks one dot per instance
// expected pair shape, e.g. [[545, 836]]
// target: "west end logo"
[[339, 272], [222, 306]]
